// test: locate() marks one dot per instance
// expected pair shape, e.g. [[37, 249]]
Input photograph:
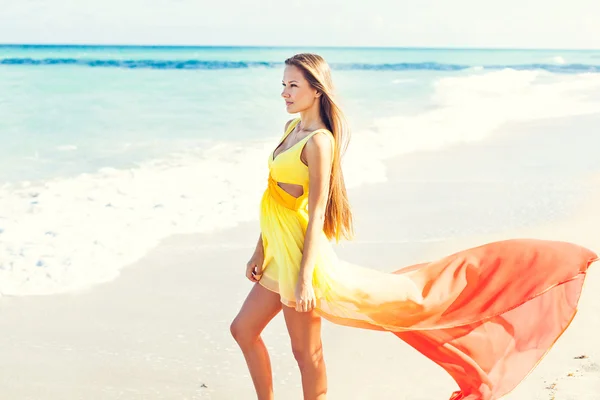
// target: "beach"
[[160, 330], [109, 150]]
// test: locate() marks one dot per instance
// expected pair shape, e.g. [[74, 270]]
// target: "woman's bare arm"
[[319, 159]]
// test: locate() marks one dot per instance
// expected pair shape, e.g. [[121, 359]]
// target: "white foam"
[[472, 108], [67, 234]]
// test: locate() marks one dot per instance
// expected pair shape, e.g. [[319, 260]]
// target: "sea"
[[107, 150]]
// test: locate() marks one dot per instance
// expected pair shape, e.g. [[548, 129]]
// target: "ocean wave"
[[151, 64], [218, 65]]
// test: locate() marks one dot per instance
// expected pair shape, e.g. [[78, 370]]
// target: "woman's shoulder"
[[322, 132], [321, 141], [321, 135]]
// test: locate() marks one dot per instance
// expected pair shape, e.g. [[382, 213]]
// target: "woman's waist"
[[285, 199]]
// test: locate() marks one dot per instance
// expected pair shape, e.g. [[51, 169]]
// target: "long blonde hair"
[[338, 215]]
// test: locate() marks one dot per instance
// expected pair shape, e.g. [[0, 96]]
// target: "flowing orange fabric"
[[487, 315]]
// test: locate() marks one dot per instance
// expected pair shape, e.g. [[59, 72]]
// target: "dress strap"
[[317, 131], [328, 134], [290, 128]]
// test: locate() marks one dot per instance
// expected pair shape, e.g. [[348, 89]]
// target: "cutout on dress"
[[291, 189]]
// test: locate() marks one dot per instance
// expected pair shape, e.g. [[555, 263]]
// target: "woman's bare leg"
[[305, 334], [258, 309]]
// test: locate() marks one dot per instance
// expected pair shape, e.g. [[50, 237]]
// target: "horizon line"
[[206, 46]]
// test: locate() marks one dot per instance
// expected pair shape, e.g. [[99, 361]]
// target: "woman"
[[486, 315]]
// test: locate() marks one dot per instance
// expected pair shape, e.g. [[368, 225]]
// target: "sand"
[[161, 329]]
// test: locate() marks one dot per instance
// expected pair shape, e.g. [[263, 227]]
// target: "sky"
[[398, 23]]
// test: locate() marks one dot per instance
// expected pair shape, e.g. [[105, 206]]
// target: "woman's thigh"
[[304, 329], [260, 306]]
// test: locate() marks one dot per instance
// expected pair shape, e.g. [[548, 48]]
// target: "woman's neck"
[[310, 120]]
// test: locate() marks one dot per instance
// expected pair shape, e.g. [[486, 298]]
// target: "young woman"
[[487, 315]]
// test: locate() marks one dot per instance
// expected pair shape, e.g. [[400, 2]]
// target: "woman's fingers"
[[250, 272], [257, 272], [305, 305]]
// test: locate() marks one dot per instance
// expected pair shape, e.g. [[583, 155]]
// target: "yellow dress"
[[487, 315], [283, 221]]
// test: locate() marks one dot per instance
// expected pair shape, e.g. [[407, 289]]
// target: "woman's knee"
[[308, 357], [242, 334], [236, 329]]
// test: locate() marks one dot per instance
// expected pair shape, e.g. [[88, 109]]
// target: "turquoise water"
[[62, 118], [107, 150]]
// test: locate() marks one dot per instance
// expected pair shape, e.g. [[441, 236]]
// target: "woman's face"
[[297, 92]]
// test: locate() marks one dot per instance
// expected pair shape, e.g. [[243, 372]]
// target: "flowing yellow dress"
[[487, 315]]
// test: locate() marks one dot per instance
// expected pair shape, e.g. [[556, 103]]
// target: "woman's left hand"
[[305, 297]]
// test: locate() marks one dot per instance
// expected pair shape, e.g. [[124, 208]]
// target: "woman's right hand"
[[254, 266]]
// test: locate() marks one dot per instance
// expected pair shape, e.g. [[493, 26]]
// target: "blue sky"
[[427, 23]]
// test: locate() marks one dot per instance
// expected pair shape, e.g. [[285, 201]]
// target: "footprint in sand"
[[586, 366], [591, 367]]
